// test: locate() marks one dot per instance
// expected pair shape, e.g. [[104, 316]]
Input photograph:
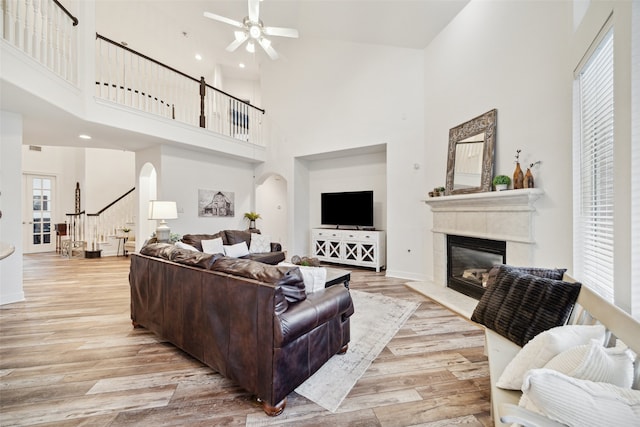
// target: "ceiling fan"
[[252, 29]]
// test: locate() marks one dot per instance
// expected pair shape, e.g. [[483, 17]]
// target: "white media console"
[[353, 247]]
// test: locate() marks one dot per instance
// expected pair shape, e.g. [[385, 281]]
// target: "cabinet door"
[[333, 249], [368, 252], [320, 248], [351, 251]]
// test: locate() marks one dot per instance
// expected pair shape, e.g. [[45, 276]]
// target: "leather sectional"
[[249, 321]]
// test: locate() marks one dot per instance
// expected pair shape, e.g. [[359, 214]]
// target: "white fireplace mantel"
[[497, 215]]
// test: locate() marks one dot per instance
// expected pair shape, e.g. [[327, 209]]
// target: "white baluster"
[[28, 27], [18, 40]]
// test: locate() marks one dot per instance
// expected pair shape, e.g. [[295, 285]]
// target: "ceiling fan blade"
[[266, 45], [240, 38], [281, 32], [223, 19], [254, 10]]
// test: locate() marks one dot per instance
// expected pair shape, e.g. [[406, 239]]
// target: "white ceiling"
[[157, 27]]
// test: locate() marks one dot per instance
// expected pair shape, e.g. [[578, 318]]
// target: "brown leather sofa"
[[249, 321], [231, 237]]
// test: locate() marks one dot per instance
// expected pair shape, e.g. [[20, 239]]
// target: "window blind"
[[594, 215]]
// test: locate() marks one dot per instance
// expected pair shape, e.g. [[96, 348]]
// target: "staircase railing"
[[44, 30], [111, 221], [131, 78]]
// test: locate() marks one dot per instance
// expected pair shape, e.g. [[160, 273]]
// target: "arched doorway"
[[271, 204]]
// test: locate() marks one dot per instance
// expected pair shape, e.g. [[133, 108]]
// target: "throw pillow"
[[195, 239], [213, 246], [236, 251], [519, 305], [544, 347], [594, 362], [186, 246], [549, 273], [260, 243], [580, 402]]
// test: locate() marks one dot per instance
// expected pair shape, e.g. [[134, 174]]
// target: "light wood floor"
[[70, 357]]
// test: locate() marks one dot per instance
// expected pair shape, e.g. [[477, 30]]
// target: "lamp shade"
[[159, 209]]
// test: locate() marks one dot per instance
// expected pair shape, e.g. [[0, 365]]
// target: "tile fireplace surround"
[[498, 215]]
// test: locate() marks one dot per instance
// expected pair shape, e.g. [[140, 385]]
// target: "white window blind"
[[594, 179]]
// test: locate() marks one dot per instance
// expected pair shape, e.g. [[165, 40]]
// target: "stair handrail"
[[66, 12], [113, 203]]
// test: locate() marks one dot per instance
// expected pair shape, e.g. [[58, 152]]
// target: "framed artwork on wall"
[[216, 203]]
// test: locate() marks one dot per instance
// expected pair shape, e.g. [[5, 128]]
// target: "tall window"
[[593, 169]]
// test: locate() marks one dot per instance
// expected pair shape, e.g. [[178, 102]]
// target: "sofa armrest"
[[276, 247], [318, 308]]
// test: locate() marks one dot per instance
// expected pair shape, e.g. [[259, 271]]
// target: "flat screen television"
[[351, 208]]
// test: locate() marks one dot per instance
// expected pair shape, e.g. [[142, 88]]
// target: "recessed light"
[[241, 65], [84, 136], [198, 57]]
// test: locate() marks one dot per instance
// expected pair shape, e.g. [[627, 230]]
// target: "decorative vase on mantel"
[[528, 179], [518, 177]]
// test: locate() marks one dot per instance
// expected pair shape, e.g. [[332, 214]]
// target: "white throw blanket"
[[314, 277]]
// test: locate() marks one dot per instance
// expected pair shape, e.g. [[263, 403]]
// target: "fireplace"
[[469, 260]]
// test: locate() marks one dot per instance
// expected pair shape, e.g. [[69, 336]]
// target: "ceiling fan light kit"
[[252, 29]]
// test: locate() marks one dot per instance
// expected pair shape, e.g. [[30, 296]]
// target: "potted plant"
[[252, 217], [501, 182]]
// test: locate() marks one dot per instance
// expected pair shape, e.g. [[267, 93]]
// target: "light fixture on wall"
[[162, 210]]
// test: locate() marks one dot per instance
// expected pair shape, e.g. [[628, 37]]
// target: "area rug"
[[376, 320]]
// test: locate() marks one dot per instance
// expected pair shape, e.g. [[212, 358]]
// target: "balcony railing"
[[45, 30]]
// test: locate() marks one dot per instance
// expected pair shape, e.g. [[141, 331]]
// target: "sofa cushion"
[[195, 239], [544, 347], [237, 236], [519, 305], [272, 258], [171, 252], [288, 279]]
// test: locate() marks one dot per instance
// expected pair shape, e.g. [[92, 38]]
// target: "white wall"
[[10, 202], [350, 173], [329, 96], [505, 59], [109, 174], [244, 89], [183, 172], [67, 165]]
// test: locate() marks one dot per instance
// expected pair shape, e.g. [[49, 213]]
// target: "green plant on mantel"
[[501, 179]]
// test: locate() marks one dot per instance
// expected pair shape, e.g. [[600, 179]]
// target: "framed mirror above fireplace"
[[470, 155]]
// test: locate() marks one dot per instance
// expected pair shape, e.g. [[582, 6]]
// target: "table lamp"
[[162, 210]]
